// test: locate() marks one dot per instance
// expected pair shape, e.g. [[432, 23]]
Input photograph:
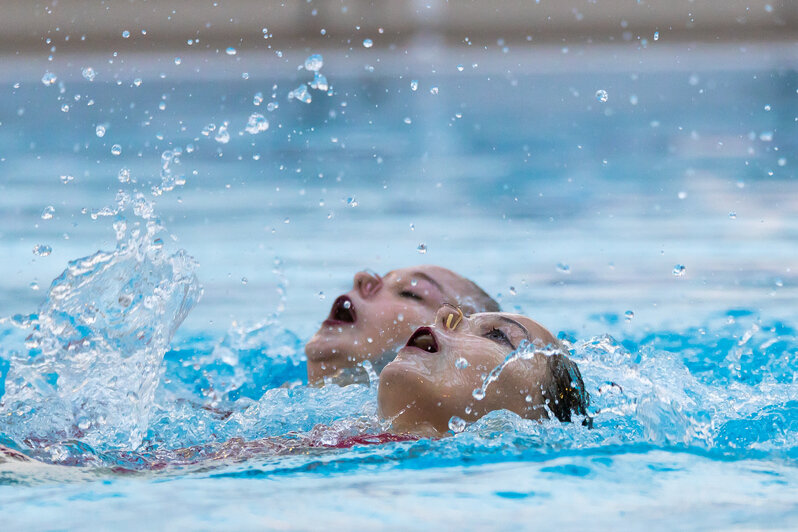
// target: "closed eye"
[[498, 336], [410, 295]]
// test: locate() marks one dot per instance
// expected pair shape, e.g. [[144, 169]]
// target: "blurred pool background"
[[606, 167]]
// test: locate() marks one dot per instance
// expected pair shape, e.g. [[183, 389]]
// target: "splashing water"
[[525, 351], [98, 342]]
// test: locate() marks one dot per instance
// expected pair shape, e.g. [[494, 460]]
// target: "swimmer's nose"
[[449, 318], [367, 284]]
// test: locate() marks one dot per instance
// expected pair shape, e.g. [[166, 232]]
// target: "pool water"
[[654, 231]]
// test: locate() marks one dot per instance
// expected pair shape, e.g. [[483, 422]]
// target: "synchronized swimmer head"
[[375, 318]]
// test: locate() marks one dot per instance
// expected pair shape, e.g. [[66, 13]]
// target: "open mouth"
[[343, 311], [423, 339]]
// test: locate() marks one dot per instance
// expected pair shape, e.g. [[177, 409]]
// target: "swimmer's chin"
[[326, 345]]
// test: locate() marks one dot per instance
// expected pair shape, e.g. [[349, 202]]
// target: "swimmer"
[[374, 319], [433, 377]]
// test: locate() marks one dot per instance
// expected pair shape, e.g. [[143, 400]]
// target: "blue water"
[[573, 211]]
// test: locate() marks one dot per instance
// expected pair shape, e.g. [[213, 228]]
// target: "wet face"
[[374, 319], [434, 376]]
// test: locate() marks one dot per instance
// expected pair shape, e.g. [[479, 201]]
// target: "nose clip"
[[451, 322]]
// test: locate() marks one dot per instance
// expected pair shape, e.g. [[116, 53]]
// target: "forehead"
[[505, 317], [437, 276]]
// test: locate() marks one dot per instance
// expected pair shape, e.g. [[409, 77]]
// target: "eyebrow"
[[430, 279], [510, 320]]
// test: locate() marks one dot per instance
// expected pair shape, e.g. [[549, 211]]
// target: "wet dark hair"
[[566, 392]]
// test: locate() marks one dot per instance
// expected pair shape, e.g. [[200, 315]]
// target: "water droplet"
[[413, 282], [656, 35], [460, 68], [434, 91], [49, 78], [321, 295], [478, 394], [368, 43], [314, 62], [301, 93], [244, 280], [633, 99], [529, 398], [89, 73], [178, 60], [400, 317], [319, 82], [682, 194], [66, 178], [414, 85], [679, 270], [351, 202], [422, 248], [779, 283], [47, 213], [157, 243], [512, 291], [125, 34], [137, 82], [42, 250], [222, 135], [347, 305], [461, 363], [116, 149], [408, 120], [34, 285], [257, 99], [124, 175], [733, 215], [100, 130], [231, 51], [257, 123], [456, 424], [602, 96], [563, 268], [65, 108], [628, 315], [271, 106], [412, 227]]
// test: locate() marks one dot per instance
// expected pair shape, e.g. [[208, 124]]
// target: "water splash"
[[526, 351], [95, 352]]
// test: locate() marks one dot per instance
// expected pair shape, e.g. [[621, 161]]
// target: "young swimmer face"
[[434, 376], [374, 319]]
